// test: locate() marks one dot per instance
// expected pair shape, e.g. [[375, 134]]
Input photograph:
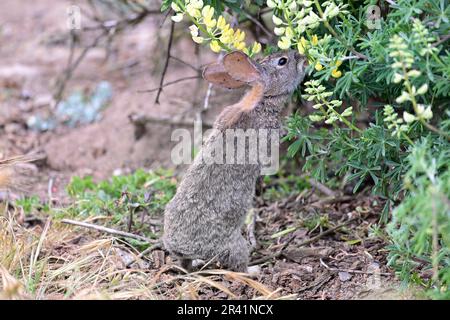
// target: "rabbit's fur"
[[205, 217]]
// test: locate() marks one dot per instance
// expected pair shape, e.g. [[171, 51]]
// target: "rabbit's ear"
[[240, 67], [216, 74]]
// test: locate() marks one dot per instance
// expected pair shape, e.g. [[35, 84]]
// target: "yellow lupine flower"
[[289, 32], [208, 12], [314, 40], [197, 4], [301, 45], [277, 21], [226, 28], [227, 36], [279, 31], [214, 45], [221, 23], [209, 23], [194, 30], [271, 4], [192, 11], [239, 45], [336, 73], [293, 6], [256, 48], [284, 43], [175, 7], [239, 35], [198, 40], [177, 18], [408, 117], [338, 63], [318, 66], [225, 39]]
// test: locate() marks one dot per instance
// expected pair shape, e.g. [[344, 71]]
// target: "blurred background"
[[76, 96]]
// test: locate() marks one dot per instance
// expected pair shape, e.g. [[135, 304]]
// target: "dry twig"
[[108, 230], [304, 243], [108, 29], [440, 41], [156, 246], [322, 188], [169, 83], [72, 66], [144, 119], [259, 24], [166, 63], [353, 271]]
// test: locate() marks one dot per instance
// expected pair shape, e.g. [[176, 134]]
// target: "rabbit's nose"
[[302, 62], [300, 59]]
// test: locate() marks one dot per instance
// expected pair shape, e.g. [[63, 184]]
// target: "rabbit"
[[205, 217]]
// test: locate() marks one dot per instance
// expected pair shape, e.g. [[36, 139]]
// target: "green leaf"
[[165, 5]]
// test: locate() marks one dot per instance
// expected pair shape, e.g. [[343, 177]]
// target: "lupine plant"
[[209, 27], [379, 80]]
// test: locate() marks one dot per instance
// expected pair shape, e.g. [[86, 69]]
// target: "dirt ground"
[[345, 264], [34, 52]]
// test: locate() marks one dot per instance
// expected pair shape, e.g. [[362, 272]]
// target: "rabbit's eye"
[[282, 61]]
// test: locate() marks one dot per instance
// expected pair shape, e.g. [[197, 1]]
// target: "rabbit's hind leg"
[[236, 255]]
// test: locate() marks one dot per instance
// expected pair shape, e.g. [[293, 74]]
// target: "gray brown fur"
[[204, 220]]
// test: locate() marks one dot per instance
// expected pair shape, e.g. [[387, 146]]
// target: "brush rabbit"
[[205, 217]]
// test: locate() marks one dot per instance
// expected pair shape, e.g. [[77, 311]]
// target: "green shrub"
[[380, 84], [420, 228]]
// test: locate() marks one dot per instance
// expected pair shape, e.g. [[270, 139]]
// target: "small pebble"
[[344, 276], [254, 271]]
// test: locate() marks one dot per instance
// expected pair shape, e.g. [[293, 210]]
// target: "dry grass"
[[55, 261]]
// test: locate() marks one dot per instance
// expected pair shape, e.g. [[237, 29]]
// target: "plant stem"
[[289, 21], [166, 63], [435, 57], [407, 138], [341, 118], [435, 243]]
